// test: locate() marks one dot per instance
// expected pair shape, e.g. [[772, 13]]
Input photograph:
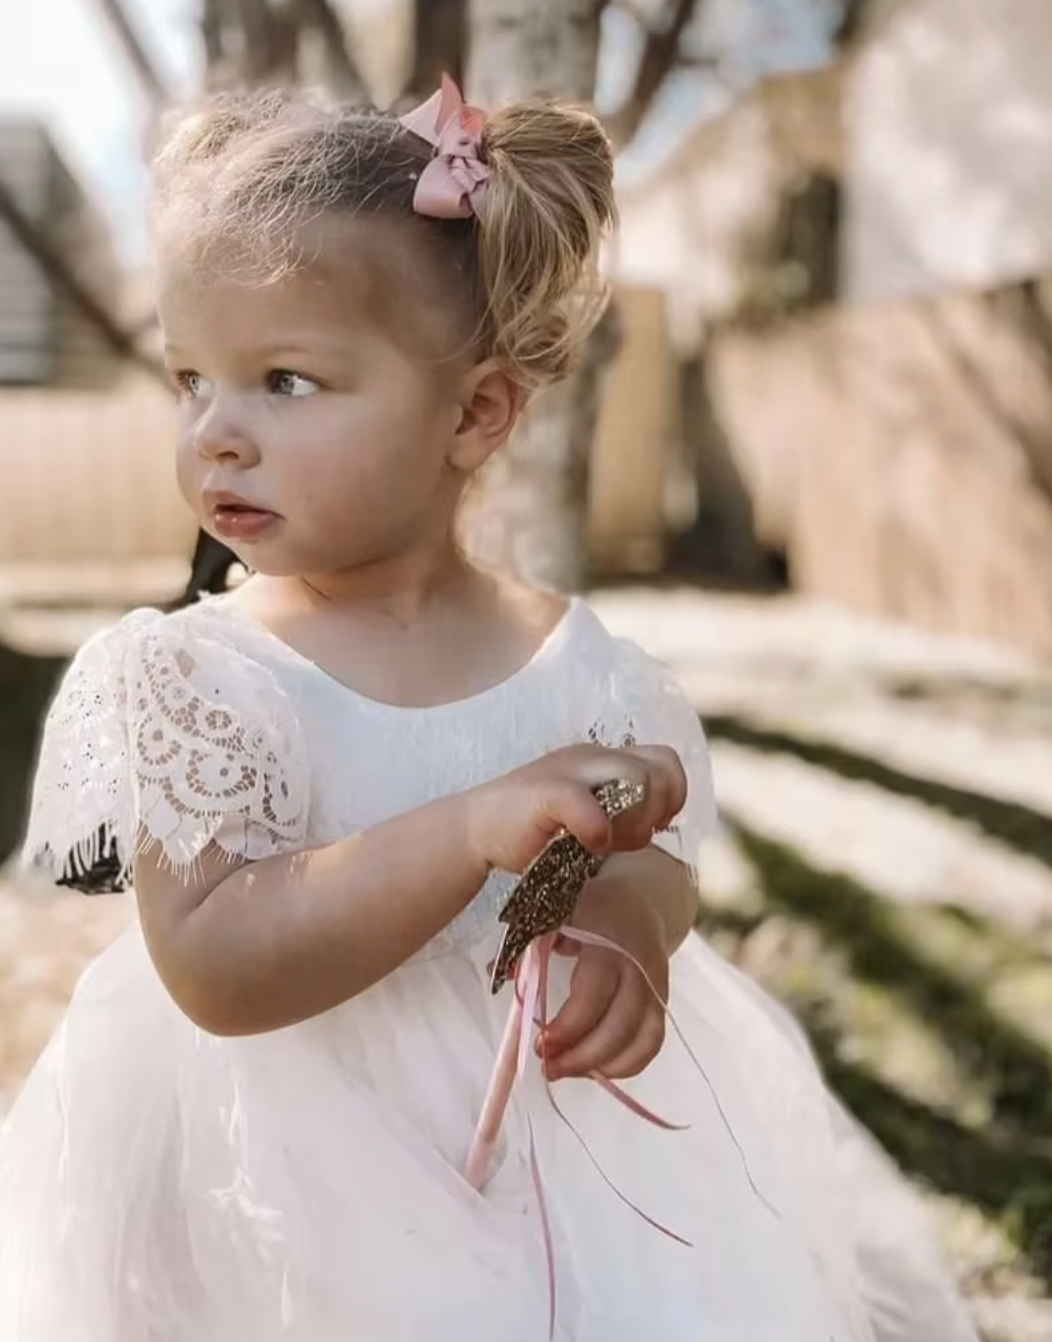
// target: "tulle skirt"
[[158, 1184]]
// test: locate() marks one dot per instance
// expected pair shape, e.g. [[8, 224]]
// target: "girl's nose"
[[222, 436]]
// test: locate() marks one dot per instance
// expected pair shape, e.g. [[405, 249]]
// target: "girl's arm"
[[274, 942], [271, 943], [667, 885]]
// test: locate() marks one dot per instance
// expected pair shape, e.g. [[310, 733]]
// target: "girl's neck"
[[402, 589]]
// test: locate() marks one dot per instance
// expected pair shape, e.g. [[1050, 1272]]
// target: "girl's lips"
[[242, 523]]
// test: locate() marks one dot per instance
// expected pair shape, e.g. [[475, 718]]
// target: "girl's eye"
[[190, 385], [283, 382]]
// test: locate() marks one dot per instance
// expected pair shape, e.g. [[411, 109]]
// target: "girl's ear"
[[491, 402]]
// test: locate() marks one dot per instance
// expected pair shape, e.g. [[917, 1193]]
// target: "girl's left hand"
[[611, 1022]]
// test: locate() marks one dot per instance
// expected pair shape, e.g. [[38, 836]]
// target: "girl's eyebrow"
[[270, 349], [299, 347]]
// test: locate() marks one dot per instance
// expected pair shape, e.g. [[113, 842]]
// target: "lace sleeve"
[[648, 705], [159, 737]]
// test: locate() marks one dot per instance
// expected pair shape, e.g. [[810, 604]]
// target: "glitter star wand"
[[541, 903]]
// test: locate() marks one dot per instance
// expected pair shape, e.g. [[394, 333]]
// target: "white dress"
[[158, 1184]]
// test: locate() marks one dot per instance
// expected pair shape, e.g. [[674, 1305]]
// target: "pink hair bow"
[[453, 185]]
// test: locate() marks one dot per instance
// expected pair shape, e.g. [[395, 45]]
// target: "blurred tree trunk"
[[439, 44], [530, 513]]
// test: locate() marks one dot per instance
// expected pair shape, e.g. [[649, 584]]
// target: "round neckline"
[[551, 643]]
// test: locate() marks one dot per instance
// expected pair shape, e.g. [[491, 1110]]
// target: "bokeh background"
[[807, 460]]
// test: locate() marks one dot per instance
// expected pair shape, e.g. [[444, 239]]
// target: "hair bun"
[[549, 200]]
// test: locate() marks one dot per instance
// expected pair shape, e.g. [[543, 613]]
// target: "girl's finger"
[[567, 804], [641, 1050], [634, 829], [592, 989], [612, 1036], [668, 787], [591, 766], [664, 799]]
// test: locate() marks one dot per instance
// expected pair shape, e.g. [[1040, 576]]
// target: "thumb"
[[571, 806]]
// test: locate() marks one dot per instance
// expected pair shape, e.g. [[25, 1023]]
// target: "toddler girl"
[[253, 1124]]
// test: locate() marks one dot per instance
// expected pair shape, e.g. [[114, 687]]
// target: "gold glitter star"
[[547, 893]]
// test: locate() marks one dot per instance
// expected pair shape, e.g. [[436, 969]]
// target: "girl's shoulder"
[[605, 687], [613, 670], [212, 619], [169, 729], [212, 648]]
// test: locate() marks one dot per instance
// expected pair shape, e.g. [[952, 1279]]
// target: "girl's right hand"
[[511, 819]]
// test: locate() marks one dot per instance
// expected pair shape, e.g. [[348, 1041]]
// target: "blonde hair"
[[240, 177]]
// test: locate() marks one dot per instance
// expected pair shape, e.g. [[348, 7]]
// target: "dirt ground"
[[884, 865]]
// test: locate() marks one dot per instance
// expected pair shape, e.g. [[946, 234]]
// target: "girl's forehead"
[[345, 278], [324, 261], [309, 292]]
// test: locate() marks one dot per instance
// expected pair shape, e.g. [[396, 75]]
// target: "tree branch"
[[142, 62], [849, 24], [659, 58], [701, 60], [63, 279], [345, 74]]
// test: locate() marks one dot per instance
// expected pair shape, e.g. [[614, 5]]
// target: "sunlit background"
[[818, 482]]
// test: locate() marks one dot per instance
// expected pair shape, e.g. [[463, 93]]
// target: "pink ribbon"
[[453, 185], [529, 1010]]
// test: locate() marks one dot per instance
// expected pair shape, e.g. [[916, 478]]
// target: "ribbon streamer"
[[529, 1012]]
